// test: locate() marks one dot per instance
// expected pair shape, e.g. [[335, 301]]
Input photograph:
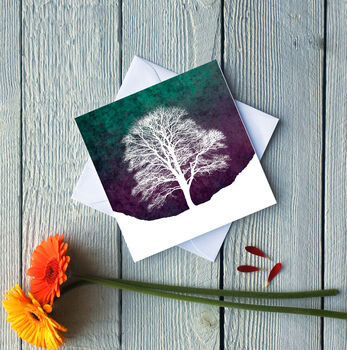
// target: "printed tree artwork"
[[166, 150], [176, 145]]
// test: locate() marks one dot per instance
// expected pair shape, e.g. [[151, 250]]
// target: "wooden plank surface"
[[70, 66], [74, 53], [10, 159], [335, 242], [273, 61], [175, 35]]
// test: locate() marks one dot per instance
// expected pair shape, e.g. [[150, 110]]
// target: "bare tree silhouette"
[[168, 150]]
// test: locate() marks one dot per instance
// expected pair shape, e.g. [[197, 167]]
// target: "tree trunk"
[[186, 191]]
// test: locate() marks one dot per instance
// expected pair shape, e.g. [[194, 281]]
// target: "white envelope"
[[141, 75]]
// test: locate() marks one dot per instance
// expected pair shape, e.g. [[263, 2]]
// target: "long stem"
[[265, 308], [73, 285], [232, 293]]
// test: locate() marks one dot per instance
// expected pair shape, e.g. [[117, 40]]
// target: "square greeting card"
[[142, 74], [175, 160]]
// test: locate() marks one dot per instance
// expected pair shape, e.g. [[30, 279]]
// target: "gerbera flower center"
[[52, 270], [34, 316]]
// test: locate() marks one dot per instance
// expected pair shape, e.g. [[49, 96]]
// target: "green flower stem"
[[232, 293], [67, 287], [265, 308], [217, 292]]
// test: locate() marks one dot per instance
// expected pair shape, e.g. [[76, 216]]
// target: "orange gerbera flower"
[[30, 320], [48, 267]]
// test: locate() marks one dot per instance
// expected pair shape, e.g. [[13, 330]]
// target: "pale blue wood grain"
[[273, 61], [335, 253], [10, 160], [273, 58], [70, 66]]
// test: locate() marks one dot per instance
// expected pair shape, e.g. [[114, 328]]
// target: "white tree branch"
[[166, 149]]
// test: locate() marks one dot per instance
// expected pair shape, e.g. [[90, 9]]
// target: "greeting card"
[[175, 160], [141, 75]]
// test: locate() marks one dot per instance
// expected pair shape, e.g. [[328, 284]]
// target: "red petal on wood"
[[248, 268], [256, 251], [275, 270]]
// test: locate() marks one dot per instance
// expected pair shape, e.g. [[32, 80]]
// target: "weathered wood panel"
[[179, 36], [335, 253], [10, 159], [70, 66], [273, 61]]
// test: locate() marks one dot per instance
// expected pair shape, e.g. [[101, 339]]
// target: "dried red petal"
[[256, 251], [275, 270], [249, 268]]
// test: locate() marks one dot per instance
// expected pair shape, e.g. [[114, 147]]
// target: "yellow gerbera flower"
[[30, 320]]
